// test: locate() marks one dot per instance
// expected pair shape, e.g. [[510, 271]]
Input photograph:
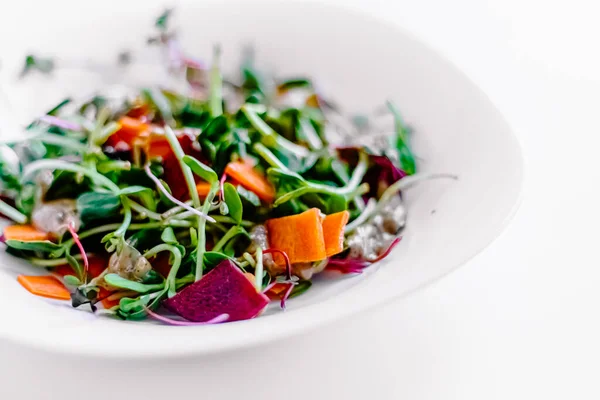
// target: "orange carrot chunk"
[[203, 189], [134, 131], [250, 179], [25, 233], [333, 232], [132, 128], [104, 295], [300, 236], [45, 286], [277, 291]]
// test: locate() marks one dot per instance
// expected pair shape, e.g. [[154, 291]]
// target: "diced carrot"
[[203, 189], [277, 290], [333, 232], [159, 146], [250, 179], [106, 302], [250, 277], [134, 131], [45, 286], [132, 128], [300, 236], [25, 233]]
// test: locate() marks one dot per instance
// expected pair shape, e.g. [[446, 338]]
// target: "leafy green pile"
[[120, 182]]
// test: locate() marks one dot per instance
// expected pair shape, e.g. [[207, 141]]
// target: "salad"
[[200, 204]]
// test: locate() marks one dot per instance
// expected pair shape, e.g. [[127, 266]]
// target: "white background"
[[519, 321]]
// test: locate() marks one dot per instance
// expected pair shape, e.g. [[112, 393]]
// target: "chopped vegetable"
[[45, 286], [131, 129], [247, 176], [203, 189], [25, 233], [300, 236], [207, 199], [104, 296], [225, 290], [333, 232]]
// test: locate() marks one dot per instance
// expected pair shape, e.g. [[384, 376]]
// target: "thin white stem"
[[164, 191]]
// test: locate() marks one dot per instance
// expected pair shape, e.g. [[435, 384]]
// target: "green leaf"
[[129, 305], [132, 190], [340, 171], [209, 150], [295, 83], [194, 116], [72, 280], [336, 203], [162, 22], [25, 200], [213, 258], [98, 205], [300, 288], [54, 111], [168, 236], [248, 195], [201, 169], [67, 184], [407, 159], [122, 283], [234, 203], [43, 245], [133, 309], [10, 169], [223, 156], [45, 65], [216, 128], [286, 177], [74, 264]]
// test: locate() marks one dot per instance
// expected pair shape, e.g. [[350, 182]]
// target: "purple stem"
[[288, 265], [216, 320], [59, 122], [388, 251], [287, 294], [271, 286], [355, 266]]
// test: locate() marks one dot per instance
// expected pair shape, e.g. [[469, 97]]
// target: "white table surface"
[[519, 321]]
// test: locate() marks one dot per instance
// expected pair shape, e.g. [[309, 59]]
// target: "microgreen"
[[174, 189], [44, 65]]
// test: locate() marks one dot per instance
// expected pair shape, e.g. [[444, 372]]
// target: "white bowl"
[[360, 62]]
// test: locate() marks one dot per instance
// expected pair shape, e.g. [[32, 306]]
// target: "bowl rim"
[[311, 317]]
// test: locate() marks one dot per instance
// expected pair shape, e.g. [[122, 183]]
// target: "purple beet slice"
[[224, 290]]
